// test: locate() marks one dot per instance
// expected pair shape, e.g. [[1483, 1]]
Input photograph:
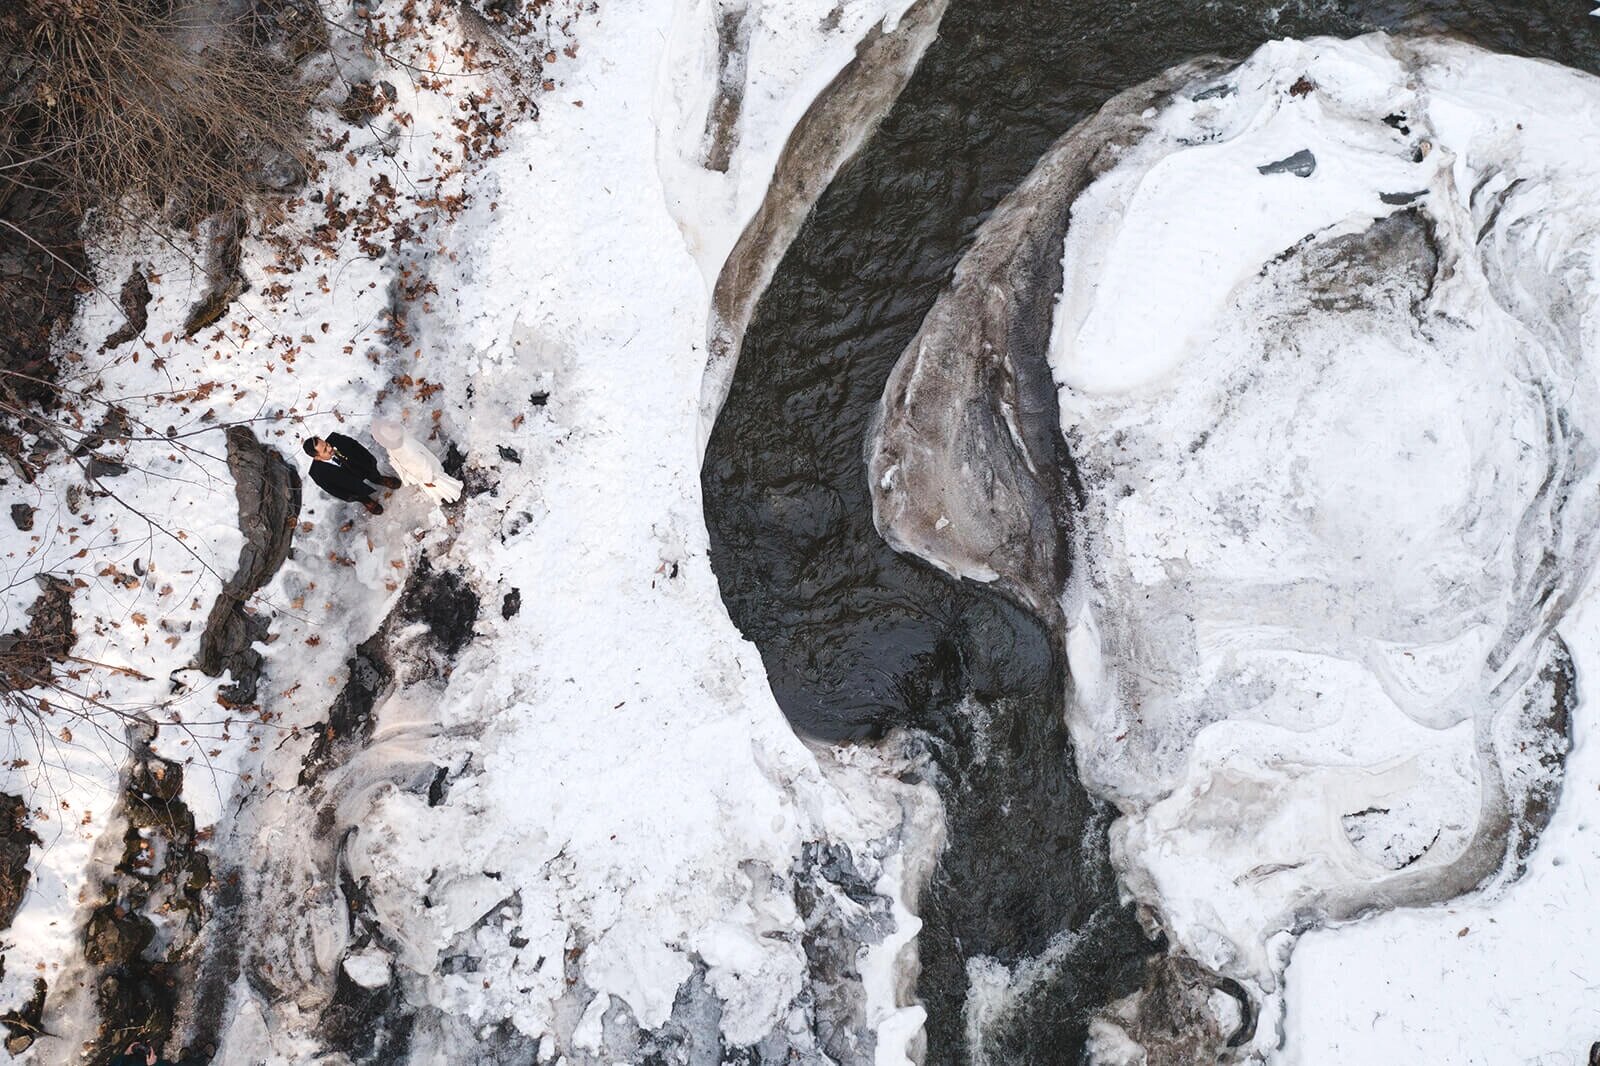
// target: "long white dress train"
[[414, 463]]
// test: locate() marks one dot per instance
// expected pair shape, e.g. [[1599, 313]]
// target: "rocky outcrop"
[[268, 491], [149, 911], [134, 299], [224, 280]]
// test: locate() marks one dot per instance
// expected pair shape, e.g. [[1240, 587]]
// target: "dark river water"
[[857, 639]]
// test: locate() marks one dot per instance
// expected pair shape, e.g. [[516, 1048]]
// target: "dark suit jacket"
[[340, 482]]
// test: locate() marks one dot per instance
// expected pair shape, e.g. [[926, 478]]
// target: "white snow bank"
[[1336, 501], [634, 786]]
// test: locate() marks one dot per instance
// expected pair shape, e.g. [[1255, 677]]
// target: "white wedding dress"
[[414, 463]]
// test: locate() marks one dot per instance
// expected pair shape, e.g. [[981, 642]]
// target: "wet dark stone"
[[16, 844], [445, 601], [475, 480], [539, 399], [22, 516], [350, 720], [267, 488], [156, 780], [26, 1023], [1551, 723], [27, 656], [510, 455], [439, 787], [225, 281], [511, 603], [104, 468], [366, 1023], [160, 873], [1302, 165], [115, 936]]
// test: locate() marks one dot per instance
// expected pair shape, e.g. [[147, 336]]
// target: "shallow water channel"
[[858, 639]]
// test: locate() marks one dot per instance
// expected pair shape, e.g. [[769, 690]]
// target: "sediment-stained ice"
[[1323, 353]]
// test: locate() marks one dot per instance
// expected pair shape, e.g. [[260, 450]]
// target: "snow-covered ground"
[[1342, 500], [625, 803], [1325, 349]]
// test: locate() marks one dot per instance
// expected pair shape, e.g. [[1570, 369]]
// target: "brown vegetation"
[[184, 105]]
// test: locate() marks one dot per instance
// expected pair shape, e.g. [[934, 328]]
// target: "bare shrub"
[[183, 105]]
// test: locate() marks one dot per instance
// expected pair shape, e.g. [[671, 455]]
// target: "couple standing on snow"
[[347, 471]]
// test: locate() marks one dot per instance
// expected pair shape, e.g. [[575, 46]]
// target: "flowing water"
[[857, 639]]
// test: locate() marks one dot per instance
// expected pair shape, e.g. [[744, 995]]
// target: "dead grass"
[[182, 106]]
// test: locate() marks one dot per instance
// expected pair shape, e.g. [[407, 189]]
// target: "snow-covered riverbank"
[[570, 831]]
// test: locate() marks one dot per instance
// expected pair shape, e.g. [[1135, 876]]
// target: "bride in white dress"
[[414, 463]]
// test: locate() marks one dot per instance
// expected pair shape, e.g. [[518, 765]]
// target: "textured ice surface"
[[1322, 350], [591, 831], [1335, 431]]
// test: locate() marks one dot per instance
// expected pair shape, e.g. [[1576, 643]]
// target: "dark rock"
[[1303, 86], [102, 468], [510, 455], [160, 873], [156, 779], [1171, 1018], [22, 516], [366, 1023], [511, 604], [539, 399], [1400, 199], [454, 460], [16, 843], [26, 1025], [135, 303], [1302, 165], [268, 491], [116, 936], [28, 656], [439, 787], [350, 721], [210, 308], [445, 601], [226, 280]]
